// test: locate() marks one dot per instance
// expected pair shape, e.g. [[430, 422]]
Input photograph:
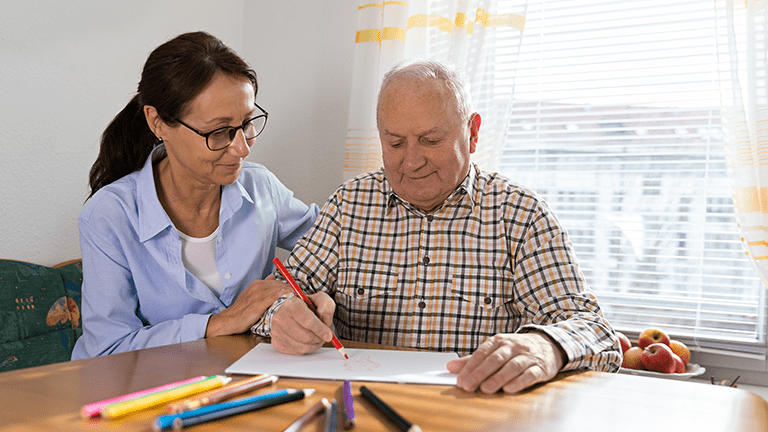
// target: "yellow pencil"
[[222, 393], [122, 408]]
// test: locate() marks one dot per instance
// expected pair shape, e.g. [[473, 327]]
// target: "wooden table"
[[49, 398]]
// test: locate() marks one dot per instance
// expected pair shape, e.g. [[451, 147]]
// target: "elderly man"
[[433, 253]]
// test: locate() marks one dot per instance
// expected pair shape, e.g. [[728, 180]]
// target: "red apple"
[[679, 365], [652, 336], [681, 350], [658, 357], [624, 340], [632, 359]]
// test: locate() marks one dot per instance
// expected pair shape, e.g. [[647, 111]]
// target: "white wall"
[[66, 68], [303, 56]]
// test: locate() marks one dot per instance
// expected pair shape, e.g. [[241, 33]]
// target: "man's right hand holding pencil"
[[298, 330]]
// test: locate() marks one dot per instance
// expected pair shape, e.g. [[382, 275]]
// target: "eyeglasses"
[[221, 138]]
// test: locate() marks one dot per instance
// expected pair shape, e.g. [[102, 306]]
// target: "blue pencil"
[[226, 409], [330, 417]]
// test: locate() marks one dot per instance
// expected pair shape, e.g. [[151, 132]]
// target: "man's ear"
[[474, 131], [153, 120]]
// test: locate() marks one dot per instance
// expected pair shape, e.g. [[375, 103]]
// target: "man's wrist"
[[561, 358]]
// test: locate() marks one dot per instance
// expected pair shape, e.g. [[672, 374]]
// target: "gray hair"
[[423, 70]]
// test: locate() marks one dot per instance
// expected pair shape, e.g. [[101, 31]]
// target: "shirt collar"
[[152, 216], [466, 187]]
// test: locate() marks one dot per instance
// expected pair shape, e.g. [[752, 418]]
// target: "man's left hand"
[[509, 362]]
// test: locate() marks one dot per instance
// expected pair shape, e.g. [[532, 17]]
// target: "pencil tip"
[[343, 353]]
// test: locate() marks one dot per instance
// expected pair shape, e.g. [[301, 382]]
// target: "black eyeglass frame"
[[233, 130]]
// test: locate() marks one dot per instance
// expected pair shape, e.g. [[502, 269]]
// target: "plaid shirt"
[[492, 259]]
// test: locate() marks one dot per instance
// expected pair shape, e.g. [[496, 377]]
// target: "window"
[[616, 123]]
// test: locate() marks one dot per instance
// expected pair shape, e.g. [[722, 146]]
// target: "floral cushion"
[[39, 313]]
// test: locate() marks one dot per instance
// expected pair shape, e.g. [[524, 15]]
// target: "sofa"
[[39, 313]]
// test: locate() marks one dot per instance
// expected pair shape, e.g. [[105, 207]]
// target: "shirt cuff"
[[263, 326], [573, 351], [193, 327]]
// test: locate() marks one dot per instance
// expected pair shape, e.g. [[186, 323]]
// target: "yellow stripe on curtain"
[[369, 35], [439, 22], [503, 20], [433, 21], [750, 199]]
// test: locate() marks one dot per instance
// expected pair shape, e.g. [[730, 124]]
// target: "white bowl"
[[691, 370]]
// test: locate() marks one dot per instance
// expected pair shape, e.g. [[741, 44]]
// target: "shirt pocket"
[[366, 282], [482, 290]]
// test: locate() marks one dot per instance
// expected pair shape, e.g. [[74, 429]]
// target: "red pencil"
[[283, 271]]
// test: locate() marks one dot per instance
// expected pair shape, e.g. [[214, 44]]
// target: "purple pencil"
[[349, 406]]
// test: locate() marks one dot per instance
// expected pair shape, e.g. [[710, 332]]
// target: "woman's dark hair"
[[174, 74]]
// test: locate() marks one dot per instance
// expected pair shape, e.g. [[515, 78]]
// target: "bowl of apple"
[[656, 355]]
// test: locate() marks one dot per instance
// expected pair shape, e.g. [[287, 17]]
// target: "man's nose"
[[413, 158]]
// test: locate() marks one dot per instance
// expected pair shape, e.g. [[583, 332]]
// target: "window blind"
[[616, 124]]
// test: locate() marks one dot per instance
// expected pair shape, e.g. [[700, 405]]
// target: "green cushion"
[[73, 282], [39, 313], [53, 347]]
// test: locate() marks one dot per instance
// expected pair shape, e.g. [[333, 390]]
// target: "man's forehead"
[[407, 96]]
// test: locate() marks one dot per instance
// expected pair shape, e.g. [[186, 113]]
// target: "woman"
[[179, 231]]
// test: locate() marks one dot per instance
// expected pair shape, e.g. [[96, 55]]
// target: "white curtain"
[[743, 55], [480, 37]]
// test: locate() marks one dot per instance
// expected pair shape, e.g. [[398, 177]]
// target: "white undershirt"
[[199, 257]]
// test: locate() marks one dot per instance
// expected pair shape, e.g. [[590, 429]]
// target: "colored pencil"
[[308, 416], [297, 290], [349, 405], [330, 417], [388, 412], [94, 409], [223, 393], [229, 408], [122, 408]]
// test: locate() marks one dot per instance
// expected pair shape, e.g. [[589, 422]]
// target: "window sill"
[[720, 364]]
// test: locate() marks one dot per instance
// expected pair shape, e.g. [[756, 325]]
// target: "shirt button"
[[360, 291], [422, 305], [430, 218], [228, 275], [425, 261], [488, 300]]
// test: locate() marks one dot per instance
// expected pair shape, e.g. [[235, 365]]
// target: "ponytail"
[[125, 145]]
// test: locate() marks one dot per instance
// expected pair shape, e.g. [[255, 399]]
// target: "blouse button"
[[360, 291], [228, 275]]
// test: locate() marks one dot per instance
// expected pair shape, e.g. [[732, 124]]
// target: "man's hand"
[[511, 362], [297, 330], [248, 308]]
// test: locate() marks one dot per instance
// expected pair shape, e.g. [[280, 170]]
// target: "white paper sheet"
[[416, 367]]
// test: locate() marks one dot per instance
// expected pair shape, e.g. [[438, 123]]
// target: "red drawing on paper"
[[361, 364]]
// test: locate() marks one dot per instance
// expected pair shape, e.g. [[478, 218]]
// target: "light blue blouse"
[[136, 291]]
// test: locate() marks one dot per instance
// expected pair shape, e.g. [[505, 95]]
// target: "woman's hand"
[[248, 308]]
